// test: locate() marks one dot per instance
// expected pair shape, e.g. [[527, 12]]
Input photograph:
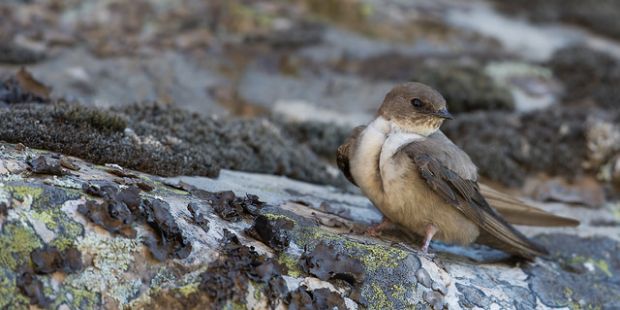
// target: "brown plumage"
[[514, 210], [422, 181]]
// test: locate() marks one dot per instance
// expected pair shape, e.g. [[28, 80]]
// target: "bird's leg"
[[430, 231], [375, 230]]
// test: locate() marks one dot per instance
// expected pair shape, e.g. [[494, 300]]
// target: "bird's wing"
[[436, 165], [515, 211], [452, 156], [518, 212], [342, 155]]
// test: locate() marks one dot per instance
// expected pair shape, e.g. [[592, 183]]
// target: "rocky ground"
[[254, 97], [77, 235]]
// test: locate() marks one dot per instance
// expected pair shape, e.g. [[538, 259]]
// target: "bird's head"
[[415, 107]]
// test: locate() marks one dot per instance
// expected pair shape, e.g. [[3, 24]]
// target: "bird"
[[424, 183]]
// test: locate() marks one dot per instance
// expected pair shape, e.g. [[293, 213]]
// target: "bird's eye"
[[416, 102]]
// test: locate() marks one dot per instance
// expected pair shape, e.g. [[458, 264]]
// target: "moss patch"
[[21, 192], [17, 241], [163, 140], [291, 264], [77, 299], [377, 299], [600, 264], [372, 256], [377, 256]]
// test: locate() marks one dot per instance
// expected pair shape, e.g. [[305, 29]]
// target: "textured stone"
[[42, 222]]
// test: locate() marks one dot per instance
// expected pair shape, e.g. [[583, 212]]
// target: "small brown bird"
[[426, 184]]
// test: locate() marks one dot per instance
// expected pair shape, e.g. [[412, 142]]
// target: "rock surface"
[[93, 236]]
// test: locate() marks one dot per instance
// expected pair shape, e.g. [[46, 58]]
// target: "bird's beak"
[[443, 113]]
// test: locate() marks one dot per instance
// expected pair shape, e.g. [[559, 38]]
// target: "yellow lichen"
[[21, 192], [378, 299], [398, 291], [188, 289], [601, 264], [275, 217], [81, 299], [46, 218], [371, 255], [377, 256], [291, 264], [16, 242]]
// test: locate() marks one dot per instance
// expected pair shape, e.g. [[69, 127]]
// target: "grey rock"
[[42, 211], [423, 277]]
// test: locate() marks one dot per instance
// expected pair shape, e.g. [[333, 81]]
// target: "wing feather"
[[464, 194]]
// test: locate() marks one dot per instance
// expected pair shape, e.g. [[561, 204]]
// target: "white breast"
[[395, 140], [365, 161], [372, 158]]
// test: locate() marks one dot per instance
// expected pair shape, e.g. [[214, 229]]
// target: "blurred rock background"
[[191, 87], [275, 86]]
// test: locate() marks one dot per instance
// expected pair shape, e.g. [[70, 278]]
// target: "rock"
[[583, 191], [289, 257], [423, 277], [465, 87], [320, 136], [602, 18], [45, 165], [23, 87], [532, 87], [507, 146], [577, 66], [11, 53], [163, 140]]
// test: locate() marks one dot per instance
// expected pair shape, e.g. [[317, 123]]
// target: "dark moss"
[[227, 278], [4, 209], [30, 286], [274, 232], [118, 210], [168, 241], [302, 299], [254, 145], [97, 136], [50, 259], [465, 87], [587, 75], [323, 139], [100, 120], [508, 146], [600, 16], [228, 206], [326, 263], [198, 217], [121, 209], [164, 140], [17, 55]]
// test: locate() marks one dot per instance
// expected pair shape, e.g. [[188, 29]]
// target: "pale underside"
[[399, 191]]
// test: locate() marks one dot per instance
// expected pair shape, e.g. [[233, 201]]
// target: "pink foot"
[[430, 231]]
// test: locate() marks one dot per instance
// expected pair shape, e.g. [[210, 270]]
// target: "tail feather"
[[518, 212]]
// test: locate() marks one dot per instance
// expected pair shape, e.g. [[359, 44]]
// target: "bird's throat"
[[377, 144]]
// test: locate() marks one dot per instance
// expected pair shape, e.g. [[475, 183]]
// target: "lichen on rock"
[[274, 253]]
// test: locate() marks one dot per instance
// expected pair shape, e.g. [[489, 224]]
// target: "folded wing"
[[463, 193]]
